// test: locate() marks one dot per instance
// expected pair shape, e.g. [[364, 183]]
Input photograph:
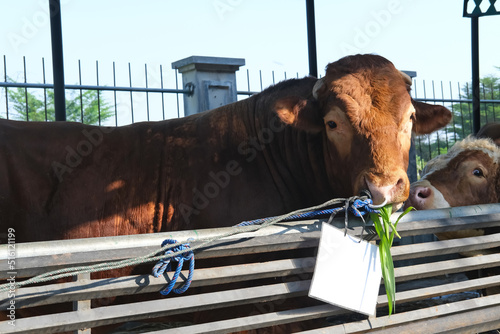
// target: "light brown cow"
[[296, 144], [468, 174]]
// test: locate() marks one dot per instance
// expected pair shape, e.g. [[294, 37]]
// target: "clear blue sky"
[[427, 36]]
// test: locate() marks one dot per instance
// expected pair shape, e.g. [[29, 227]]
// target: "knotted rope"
[[359, 208], [165, 265]]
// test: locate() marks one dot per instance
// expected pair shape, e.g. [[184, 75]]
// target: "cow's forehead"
[[470, 143], [373, 98]]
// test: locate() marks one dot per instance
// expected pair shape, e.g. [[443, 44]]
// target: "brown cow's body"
[[344, 133], [150, 177]]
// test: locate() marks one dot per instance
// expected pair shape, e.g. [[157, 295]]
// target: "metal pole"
[[476, 120], [57, 59], [311, 38]]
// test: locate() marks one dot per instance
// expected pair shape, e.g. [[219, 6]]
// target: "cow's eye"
[[478, 172], [331, 124]]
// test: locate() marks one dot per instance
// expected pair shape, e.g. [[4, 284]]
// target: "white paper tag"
[[347, 272]]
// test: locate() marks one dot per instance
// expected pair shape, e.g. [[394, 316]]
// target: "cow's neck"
[[295, 160]]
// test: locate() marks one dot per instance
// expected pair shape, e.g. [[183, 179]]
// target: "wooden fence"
[[267, 275]]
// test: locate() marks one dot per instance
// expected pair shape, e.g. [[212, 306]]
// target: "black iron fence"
[[115, 100], [108, 103]]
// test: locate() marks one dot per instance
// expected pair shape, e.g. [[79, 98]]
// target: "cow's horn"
[[406, 77], [317, 87]]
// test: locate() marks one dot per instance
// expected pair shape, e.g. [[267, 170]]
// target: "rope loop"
[[165, 265], [361, 207]]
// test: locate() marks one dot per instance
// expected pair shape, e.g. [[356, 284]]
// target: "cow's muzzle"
[[396, 191]]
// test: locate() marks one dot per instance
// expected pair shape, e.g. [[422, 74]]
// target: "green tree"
[[82, 107], [489, 112]]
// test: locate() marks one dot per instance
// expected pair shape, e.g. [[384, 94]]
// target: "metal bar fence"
[[98, 104], [140, 100]]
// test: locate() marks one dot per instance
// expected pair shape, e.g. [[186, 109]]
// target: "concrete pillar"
[[213, 79]]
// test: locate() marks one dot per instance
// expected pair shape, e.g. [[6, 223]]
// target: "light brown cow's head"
[[365, 112], [468, 174]]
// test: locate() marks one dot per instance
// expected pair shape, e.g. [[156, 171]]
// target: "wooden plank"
[[91, 289], [442, 247], [392, 323], [475, 321], [441, 290], [446, 267], [258, 321], [432, 226], [69, 321]]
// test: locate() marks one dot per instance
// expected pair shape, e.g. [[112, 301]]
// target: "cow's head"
[[364, 110], [468, 174]]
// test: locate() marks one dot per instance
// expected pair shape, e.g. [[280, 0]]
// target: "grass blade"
[[386, 232]]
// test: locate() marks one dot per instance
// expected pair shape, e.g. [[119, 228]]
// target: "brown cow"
[[298, 143]]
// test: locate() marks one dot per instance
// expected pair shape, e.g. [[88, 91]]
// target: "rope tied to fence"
[[360, 207], [165, 265]]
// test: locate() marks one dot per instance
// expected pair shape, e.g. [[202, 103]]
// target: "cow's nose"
[[395, 192], [420, 197], [422, 192]]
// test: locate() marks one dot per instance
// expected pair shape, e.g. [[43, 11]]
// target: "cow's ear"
[[300, 113], [430, 117]]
